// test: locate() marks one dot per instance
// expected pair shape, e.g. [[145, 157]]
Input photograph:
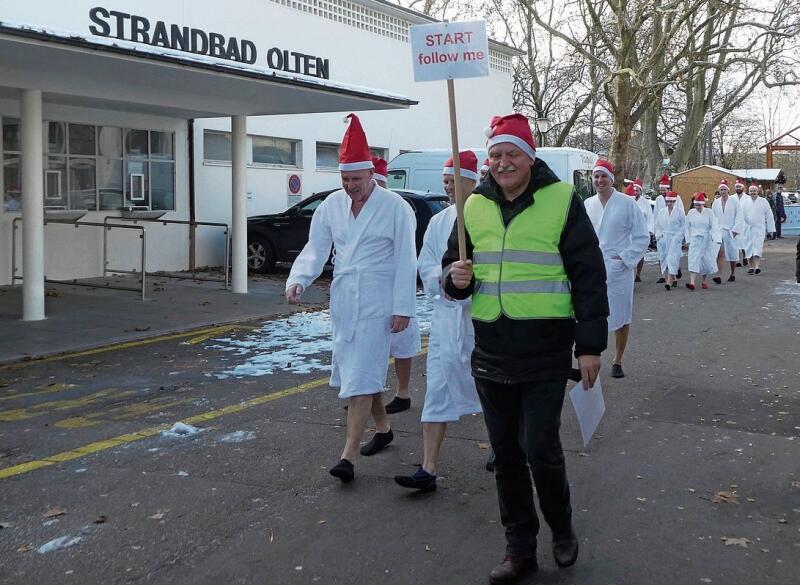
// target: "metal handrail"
[[191, 224], [106, 228]]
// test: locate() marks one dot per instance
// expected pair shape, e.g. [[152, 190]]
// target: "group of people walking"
[[541, 279], [732, 231]]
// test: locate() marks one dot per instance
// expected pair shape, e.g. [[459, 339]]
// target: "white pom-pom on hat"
[[489, 132], [346, 119]]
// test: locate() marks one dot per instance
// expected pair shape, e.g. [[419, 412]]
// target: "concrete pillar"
[[239, 203], [32, 207]]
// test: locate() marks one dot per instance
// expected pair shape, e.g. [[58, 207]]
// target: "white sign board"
[[450, 50]]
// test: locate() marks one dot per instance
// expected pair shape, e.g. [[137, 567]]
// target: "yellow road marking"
[[40, 390], [120, 413], [17, 414], [211, 331], [209, 334], [113, 442]]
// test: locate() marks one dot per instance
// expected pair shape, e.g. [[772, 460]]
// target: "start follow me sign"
[[450, 50]]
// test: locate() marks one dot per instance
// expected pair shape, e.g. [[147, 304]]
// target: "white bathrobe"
[[661, 203], [374, 277], [669, 235], [408, 342], [730, 220], [647, 211], [702, 234], [623, 236], [760, 221], [741, 239], [450, 392]]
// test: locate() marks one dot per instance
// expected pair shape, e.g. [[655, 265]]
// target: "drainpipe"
[[192, 214]]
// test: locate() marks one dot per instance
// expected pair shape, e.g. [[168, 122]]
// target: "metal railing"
[[191, 224], [106, 269]]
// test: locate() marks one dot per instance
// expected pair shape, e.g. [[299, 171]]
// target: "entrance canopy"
[[121, 75]]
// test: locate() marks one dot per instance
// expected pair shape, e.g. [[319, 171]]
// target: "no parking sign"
[[294, 184]]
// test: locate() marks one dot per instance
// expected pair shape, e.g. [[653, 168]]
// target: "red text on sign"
[[458, 38]]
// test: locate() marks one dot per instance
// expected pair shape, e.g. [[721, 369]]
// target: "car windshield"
[[438, 204]]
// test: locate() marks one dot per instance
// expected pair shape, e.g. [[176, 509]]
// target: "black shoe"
[[490, 461], [757, 271], [668, 287], [378, 443], [751, 271], [738, 265], [421, 480], [637, 279], [745, 262], [616, 371], [679, 275], [565, 549], [398, 405], [512, 569], [731, 278], [717, 280], [343, 470], [661, 280]]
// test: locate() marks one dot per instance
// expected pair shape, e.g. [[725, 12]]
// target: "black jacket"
[[512, 351]]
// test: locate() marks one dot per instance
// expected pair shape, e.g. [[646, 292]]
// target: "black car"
[[280, 237]]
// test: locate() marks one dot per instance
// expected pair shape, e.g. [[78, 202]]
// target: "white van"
[[422, 169]]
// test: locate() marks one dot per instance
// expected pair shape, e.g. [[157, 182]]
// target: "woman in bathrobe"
[[669, 226], [702, 235], [760, 221]]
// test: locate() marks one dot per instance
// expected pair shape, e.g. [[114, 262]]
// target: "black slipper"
[[717, 280], [757, 271], [343, 470], [738, 265], [731, 278], [616, 371], [398, 405], [661, 281], [378, 443], [751, 271], [668, 287]]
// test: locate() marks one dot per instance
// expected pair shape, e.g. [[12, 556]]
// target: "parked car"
[[789, 198], [280, 237]]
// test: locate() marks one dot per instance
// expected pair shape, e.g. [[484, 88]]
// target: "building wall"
[[704, 179], [77, 252]]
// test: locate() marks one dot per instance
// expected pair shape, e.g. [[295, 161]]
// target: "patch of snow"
[[790, 289], [237, 437], [81, 470], [58, 544], [180, 429], [299, 344], [182, 474]]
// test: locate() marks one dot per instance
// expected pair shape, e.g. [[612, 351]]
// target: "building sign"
[[138, 29], [294, 184], [449, 50]]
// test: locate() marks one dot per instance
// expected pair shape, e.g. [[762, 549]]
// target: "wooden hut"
[[705, 178]]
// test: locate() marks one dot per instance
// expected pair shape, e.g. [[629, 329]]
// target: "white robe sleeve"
[[430, 262], [309, 263], [405, 262], [738, 222], [770, 217], [639, 238], [716, 232], [658, 225], [687, 232]]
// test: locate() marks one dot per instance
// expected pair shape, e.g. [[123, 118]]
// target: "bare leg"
[[692, 277], [755, 262], [639, 267], [621, 338], [402, 369], [379, 415], [733, 266], [432, 437], [358, 408]]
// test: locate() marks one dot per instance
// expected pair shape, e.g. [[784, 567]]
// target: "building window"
[[267, 150], [328, 155], [216, 146], [86, 167]]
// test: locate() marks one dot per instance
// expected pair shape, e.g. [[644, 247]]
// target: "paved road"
[[694, 476]]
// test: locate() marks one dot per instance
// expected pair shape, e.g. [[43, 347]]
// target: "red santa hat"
[[671, 196], [724, 183], [354, 154], [663, 182], [699, 198], [605, 167], [486, 166], [637, 182], [381, 169], [755, 184], [468, 163], [739, 183], [513, 128], [629, 190]]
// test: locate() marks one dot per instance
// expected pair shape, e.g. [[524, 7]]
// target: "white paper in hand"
[[589, 406]]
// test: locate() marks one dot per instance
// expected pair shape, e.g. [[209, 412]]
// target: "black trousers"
[[523, 422]]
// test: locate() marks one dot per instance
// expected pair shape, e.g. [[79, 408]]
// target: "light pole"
[[543, 125]]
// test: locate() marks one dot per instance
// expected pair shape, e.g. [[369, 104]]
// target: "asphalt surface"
[[693, 476]]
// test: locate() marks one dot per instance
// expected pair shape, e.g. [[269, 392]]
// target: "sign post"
[[448, 51]]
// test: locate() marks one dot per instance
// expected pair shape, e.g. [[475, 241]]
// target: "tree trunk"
[[652, 148], [625, 98]]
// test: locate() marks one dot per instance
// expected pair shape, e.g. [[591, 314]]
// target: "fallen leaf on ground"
[[484, 445], [101, 519], [53, 512], [158, 515], [25, 548], [322, 522], [142, 328], [726, 497], [730, 541], [5, 525], [428, 548]]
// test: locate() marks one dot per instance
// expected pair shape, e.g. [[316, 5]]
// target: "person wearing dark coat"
[[780, 214]]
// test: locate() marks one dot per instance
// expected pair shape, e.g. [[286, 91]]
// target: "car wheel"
[[260, 255]]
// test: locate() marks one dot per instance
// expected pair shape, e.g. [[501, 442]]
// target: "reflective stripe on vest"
[[518, 269]]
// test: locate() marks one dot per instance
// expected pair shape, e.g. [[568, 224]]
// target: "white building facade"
[[138, 99]]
